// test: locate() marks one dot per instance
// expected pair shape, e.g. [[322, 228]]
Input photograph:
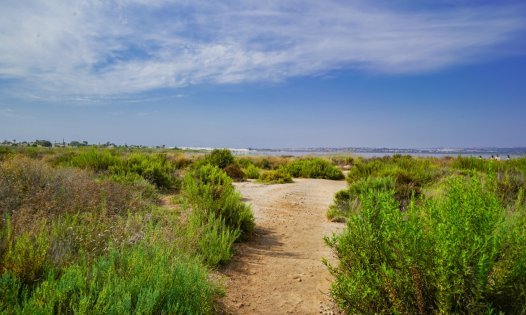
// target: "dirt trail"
[[280, 270]]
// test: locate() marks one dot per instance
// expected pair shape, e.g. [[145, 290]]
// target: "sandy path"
[[280, 270]]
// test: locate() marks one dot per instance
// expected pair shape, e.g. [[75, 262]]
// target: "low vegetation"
[[407, 176], [431, 236], [275, 177], [313, 168], [82, 231], [101, 230], [251, 171], [157, 169]]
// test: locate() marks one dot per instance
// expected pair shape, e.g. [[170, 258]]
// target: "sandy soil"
[[280, 270]]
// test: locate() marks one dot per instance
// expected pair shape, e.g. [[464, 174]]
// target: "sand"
[[280, 270]]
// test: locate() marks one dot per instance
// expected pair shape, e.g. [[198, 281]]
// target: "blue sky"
[[265, 73]]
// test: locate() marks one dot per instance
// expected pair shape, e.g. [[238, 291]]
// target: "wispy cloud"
[[11, 113], [96, 49]]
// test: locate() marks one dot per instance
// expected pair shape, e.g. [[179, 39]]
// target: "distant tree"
[[43, 143], [221, 158]]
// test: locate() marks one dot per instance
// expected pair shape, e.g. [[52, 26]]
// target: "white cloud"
[[94, 49]]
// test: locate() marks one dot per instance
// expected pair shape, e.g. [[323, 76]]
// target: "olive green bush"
[[461, 252], [313, 168]]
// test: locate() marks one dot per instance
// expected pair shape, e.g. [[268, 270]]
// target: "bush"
[[5, 152], [252, 171], [313, 168], [209, 190], [235, 172], [347, 202], [459, 253], [220, 158], [509, 176], [275, 177], [410, 175], [244, 162], [211, 239], [269, 162], [73, 243], [155, 168], [51, 216], [146, 279], [97, 160]]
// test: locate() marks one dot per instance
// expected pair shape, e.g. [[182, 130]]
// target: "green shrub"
[[346, 202], [208, 189], [275, 177], [343, 160], [145, 279], [155, 168], [49, 217], [10, 290], [410, 175], [244, 162], [313, 168], [97, 160], [74, 243], [137, 182], [220, 158], [510, 175], [5, 152], [211, 239], [252, 171], [459, 253], [268, 162]]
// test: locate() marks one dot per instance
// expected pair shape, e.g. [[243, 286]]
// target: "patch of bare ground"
[[280, 270]]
